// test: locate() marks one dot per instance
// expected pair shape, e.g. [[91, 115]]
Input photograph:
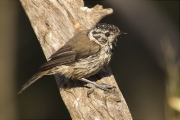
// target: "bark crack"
[[54, 23]]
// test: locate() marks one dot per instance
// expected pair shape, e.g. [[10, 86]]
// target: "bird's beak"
[[122, 33]]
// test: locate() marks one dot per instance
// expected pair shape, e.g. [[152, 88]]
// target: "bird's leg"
[[101, 86]]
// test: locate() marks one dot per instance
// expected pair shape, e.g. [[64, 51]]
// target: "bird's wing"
[[77, 47]]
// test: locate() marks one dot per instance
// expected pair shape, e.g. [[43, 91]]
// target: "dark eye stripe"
[[102, 40], [97, 37], [94, 32]]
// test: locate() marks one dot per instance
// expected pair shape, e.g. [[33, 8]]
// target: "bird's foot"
[[104, 87]]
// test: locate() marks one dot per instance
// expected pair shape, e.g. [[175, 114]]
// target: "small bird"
[[82, 56]]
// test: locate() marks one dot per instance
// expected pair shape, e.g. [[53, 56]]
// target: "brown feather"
[[33, 79], [73, 50]]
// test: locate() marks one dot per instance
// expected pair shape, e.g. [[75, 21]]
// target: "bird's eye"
[[107, 34]]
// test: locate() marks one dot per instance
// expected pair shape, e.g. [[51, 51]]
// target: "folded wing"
[[76, 48]]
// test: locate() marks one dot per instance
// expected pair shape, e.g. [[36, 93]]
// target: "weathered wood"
[[54, 23]]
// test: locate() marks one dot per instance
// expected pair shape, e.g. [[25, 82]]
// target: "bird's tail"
[[33, 79]]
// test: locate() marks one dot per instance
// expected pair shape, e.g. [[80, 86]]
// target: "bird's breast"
[[86, 67], [89, 66]]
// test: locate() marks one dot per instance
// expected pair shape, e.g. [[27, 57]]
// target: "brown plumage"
[[82, 56], [73, 50]]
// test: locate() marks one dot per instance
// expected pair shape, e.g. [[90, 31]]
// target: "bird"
[[82, 56]]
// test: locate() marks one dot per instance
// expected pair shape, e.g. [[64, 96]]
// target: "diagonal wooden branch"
[[54, 23]]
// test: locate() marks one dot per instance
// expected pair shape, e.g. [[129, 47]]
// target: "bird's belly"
[[84, 67], [87, 67]]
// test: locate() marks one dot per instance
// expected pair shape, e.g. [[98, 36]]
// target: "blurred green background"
[[139, 63]]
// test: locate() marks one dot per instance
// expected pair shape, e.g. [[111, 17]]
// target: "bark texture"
[[54, 23]]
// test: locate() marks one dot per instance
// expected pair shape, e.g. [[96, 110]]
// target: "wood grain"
[[54, 23]]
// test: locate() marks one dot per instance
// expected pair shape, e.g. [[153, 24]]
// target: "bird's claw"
[[104, 87]]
